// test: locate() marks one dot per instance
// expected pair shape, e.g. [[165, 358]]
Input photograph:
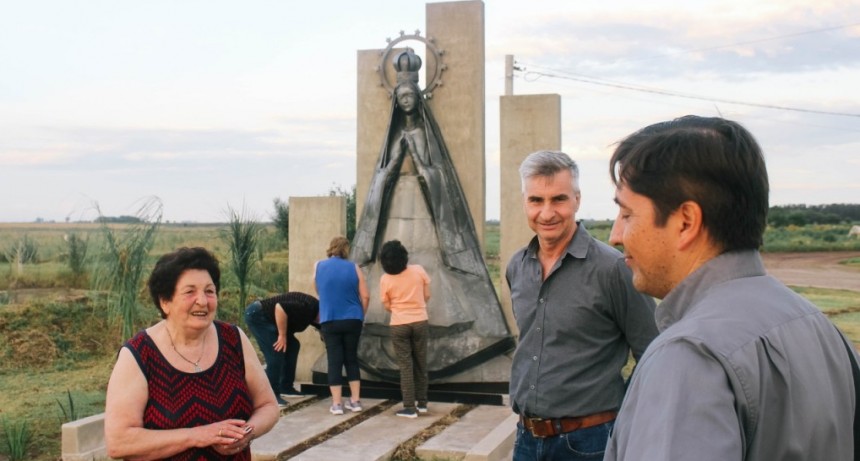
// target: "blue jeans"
[[579, 445], [280, 366], [341, 347]]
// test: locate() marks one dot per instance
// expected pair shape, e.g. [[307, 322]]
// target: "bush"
[[17, 434], [55, 334], [22, 251]]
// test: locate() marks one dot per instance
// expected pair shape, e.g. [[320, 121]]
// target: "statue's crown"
[[407, 64]]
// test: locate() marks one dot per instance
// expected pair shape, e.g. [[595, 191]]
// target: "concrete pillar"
[[458, 29], [458, 105], [373, 111], [314, 221], [528, 123]]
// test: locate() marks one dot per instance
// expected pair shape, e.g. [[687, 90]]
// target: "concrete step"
[[376, 438], [486, 433], [299, 426]]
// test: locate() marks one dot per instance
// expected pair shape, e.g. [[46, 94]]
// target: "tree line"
[[802, 215]]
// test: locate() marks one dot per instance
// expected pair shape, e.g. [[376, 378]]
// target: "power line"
[[626, 86]]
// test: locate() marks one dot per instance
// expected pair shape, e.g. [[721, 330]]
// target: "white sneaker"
[[354, 407], [336, 409]]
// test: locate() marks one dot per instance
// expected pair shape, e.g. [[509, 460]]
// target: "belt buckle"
[[545, 425]]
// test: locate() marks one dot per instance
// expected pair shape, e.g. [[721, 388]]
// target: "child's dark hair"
[[393, 257]]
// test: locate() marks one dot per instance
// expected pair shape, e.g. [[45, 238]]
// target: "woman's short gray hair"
[[548, 163]]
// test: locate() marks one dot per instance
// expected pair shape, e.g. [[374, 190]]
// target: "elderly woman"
[[343, 299], [188, 387]]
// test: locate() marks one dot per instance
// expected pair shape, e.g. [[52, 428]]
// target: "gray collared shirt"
[[577, 328], [743, 369]]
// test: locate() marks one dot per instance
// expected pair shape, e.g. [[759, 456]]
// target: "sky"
[[214, 105]]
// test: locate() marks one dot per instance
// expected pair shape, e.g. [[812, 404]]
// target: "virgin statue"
[[415, 197]]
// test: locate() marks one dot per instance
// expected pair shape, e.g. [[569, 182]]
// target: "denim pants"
[[341, 347], [280, 366], [579, 445]]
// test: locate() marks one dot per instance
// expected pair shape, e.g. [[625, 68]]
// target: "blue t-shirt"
[[337, 285]]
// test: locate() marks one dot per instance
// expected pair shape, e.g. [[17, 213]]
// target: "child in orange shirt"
[[405, 289]]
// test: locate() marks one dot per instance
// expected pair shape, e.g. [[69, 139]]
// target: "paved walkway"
[[311, 433]]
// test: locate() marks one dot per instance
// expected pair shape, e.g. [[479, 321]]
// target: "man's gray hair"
[[548, 163]]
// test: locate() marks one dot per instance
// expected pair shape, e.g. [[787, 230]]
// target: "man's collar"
[[577, 247]]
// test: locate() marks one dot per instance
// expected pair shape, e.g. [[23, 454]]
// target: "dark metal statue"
[[415, 196]]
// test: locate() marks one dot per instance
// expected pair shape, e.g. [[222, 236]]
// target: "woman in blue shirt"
[[344, 297]]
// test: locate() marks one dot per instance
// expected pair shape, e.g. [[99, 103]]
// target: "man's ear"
[[689, 224]]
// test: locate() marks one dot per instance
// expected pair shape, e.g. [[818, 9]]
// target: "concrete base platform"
[[486, 433], [299, 426], [471, 393], [376, 438]]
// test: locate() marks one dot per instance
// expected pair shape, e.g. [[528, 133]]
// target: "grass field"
[[56, 340]]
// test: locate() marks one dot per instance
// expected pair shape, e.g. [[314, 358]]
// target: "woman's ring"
[[219, 432]]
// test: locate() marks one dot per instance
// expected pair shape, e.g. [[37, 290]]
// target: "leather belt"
[[550, 427]]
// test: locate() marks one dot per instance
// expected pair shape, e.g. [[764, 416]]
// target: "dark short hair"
[[168, 269], [393, 257], [708, 160]]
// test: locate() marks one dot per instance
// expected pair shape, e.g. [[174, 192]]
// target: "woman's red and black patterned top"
[[178, 399]]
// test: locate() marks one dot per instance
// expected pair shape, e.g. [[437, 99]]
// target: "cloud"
[[33, 158], [102, 148], [649, 43]]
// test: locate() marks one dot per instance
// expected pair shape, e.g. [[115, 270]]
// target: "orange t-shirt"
[[405, 294]]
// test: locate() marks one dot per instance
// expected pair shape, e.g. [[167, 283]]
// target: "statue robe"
[[415, 197]]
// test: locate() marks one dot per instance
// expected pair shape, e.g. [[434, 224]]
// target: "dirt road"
[[818, 269]]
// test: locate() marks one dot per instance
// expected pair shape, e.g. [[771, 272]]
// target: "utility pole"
[[509, 75]]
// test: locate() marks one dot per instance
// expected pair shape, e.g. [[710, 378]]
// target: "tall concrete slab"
[[528, 123], [373, 109], [458, 105], [314, 221]]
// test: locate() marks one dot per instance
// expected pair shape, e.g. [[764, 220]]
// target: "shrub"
[[242, 236], [69, 413], [18, 437], [124, 262]]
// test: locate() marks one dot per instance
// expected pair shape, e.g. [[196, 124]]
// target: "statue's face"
[[406, 98]]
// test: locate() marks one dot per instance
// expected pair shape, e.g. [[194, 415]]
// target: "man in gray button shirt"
[[578, 315], [744, 368]]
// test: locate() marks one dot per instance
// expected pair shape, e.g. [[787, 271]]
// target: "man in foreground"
[[579, 317], [744, 368]]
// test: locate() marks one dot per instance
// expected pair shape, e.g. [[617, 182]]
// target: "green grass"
[[843, 307], [813, 237], [851, 262], [32, 396], [829, 300], [18, 435]]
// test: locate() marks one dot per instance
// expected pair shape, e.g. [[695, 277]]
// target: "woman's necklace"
[[196, 364]]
